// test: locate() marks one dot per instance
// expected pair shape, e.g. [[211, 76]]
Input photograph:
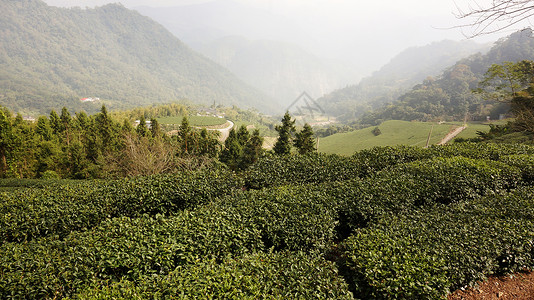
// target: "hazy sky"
[[374, 31]]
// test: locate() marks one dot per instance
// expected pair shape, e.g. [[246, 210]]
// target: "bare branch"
[[496, 16]]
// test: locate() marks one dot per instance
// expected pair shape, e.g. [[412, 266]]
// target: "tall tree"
[[141, 129], [252, 150], [285, 135], [6, 141], [304, 141], [232, 151]]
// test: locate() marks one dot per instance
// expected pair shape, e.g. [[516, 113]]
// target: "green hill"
[[447, 96], [52, 57], [392, 133]]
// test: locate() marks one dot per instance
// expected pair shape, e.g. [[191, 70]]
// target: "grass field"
[[392, 133], [193, 120]]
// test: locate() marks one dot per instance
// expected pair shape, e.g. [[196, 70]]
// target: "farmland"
[[389, 222], [393, 133]]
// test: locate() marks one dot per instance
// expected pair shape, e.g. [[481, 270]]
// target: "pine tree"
[[252, 150], [141, 128], [232, 151], [285, 135], [155, 128], [304, 141]]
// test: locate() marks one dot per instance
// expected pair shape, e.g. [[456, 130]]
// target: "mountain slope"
[[393, 79], [449, 96], [265, 50], [50, 57]]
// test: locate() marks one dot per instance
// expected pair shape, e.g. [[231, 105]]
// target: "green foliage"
[[398, 223], [403, 257], [241, 149], [300, 169], [285, 135], [285, 275], [109, 52], [304, 140], [63, 208], [405, 187]]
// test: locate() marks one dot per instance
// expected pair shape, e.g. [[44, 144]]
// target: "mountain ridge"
[[52, 57]]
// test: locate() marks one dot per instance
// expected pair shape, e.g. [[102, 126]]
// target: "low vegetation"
[[295, 226]]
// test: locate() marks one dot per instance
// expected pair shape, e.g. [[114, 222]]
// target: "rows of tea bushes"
[[316, 168], [280, 275], [386, 223], [300, 169], [423, 254], [61, 208]]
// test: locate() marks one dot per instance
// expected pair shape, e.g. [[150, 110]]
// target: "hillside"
[[405, 70], [51, 57], [272, 54], [392, 133], [450, 96]]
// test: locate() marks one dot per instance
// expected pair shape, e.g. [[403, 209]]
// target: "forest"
[[52, 57]]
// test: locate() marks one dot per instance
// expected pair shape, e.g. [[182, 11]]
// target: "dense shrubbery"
[[284, 275], [400, 222], [425, 253], [300, 169], [63, 208]]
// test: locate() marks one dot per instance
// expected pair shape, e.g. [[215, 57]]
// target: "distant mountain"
[[405, 70], [209, 21], [449, 96], [52, 57], [264, 55], [281, 70]]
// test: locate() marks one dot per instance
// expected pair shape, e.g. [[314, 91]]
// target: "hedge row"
[[320, 168], [300, 169], [121, 248], [405, 187], [426, 253], [300, 219], [58, 210], [283, 275]]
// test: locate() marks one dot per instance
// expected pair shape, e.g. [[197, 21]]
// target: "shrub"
[[284, 275], [300, 169], [122, 248], [425, 253], [405, 187], [63, 208]]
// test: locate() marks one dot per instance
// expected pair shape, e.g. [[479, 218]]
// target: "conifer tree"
[[304, 141], [141, 128], [285, 135]]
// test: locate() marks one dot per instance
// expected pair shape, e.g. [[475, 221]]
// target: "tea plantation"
[[385, 223]]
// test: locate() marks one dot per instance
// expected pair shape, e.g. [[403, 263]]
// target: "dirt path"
[[519, 286], [451, 135], [224, 131]]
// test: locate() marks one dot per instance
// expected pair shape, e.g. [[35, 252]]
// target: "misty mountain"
[[408, 68], [51, 57], [265, 54], [449, 96], [206, 22], [281, 70]]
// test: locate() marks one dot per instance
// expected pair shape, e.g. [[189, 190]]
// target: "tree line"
[[83, 146]]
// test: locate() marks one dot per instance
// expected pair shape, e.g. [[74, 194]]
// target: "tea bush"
[[426, 253], [122, 248], [405, 187], [283, 275], [300, 169], [60, 209]]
